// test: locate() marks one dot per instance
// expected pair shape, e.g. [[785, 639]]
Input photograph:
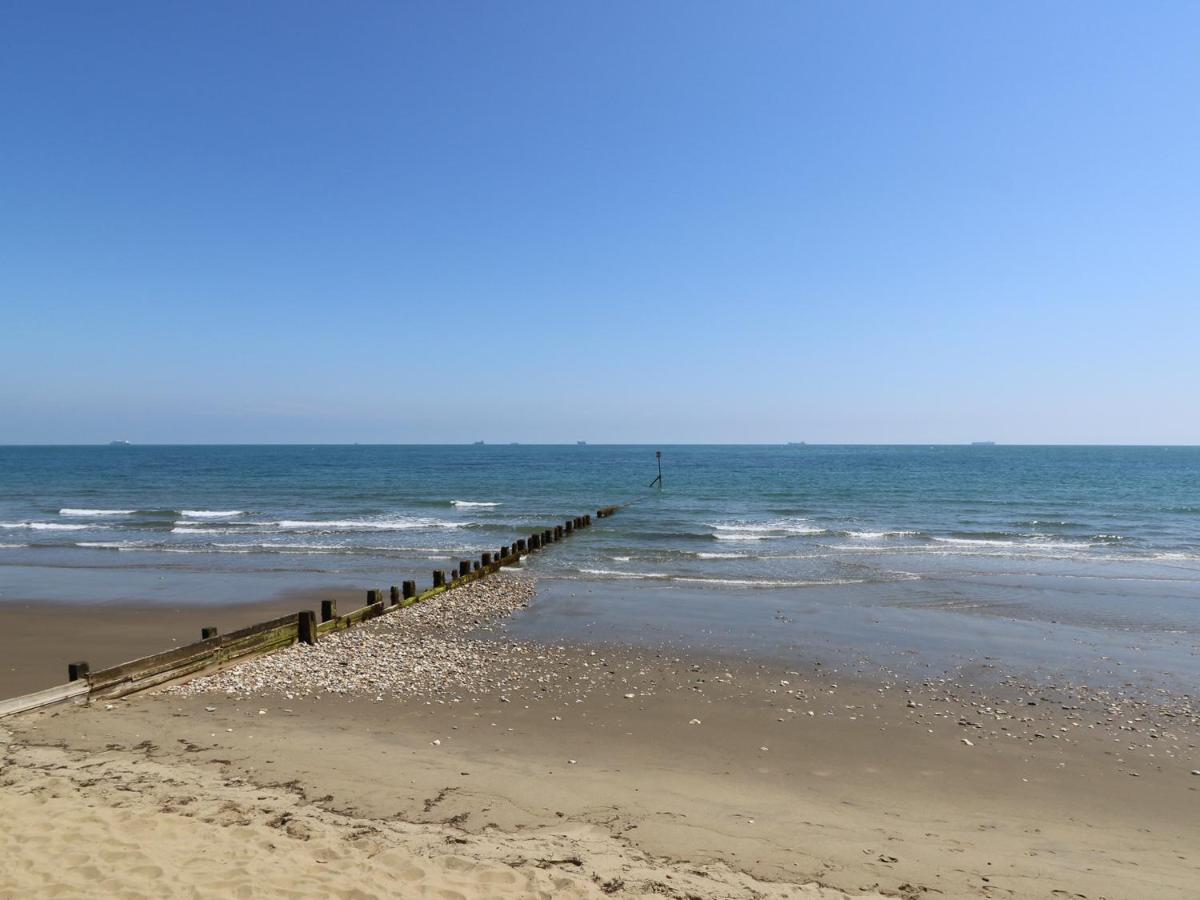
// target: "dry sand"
[[116, 824], [511, 769]]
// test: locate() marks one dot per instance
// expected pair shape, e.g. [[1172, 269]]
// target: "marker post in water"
[[658, 480]]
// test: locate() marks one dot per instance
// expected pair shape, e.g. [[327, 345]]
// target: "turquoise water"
[[140, 522]]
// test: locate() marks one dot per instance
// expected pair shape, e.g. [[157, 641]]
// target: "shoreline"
[[912, 635], [787, 773]]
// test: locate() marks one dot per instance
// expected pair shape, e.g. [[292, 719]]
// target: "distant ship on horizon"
[[479, 443], [120, 444], [796, 444], [581, 443], [983, 443]]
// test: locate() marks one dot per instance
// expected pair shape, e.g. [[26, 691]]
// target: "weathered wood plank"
[[157, 662], [47, 697], [262, 626]]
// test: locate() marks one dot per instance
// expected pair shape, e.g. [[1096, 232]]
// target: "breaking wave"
[[95, 513]]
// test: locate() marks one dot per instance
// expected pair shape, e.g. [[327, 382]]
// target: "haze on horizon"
[[678, 222]]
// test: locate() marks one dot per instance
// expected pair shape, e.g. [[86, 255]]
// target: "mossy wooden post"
[[394, 595], [208, 631], [439, 578], [505, 552], [409, 589], [464, 567], [372, 598], [77, 670], [328, 610], [307, 627], [475, 565], [486, 559], [521, 547]]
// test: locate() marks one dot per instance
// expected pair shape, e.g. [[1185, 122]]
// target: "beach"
[[805, 672], [463, 757]]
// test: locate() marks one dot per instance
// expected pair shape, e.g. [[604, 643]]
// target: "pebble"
[[429, 650]]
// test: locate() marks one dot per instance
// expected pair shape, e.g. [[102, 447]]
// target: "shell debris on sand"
[[420, 651]]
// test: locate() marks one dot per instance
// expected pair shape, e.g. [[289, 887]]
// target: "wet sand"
[[38, 638], [644, 767]]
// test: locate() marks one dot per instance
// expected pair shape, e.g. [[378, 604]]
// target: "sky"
[[615, 222]]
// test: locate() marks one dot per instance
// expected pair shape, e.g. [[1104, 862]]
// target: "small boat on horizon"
[[120, 444], [983, 443], [581, 443]]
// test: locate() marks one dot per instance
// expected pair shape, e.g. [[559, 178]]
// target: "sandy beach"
[[431, 754]]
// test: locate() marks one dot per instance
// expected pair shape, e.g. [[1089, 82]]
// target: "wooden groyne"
[[215, 650]]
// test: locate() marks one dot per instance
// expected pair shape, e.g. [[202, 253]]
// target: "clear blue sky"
[[877, 222]]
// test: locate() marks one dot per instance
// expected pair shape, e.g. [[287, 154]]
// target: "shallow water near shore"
[[910, 631]]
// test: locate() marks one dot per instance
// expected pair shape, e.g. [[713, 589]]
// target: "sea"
[[1106, 539]]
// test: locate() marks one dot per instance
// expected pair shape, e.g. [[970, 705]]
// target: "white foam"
[[757, 531], [13, 546], [725, 556], [622, 558], [767, 582], [472, 503], [111, 545], [1031, 544], [45, 526], [879, 535], [614, 573], [745, 582], [394, 524], [211, 513], [95, 513]]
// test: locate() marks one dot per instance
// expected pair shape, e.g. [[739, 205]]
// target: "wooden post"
[[521, 547], [409, 589], [307, 631], [372, 598], [77, 670], [535, 542], [547, 537], [475, 564], [505, 552], [395, 595], [486, 559], [464, 567], [558, 532], [569, 526], [207, 632], [328, 610], [439, 577]]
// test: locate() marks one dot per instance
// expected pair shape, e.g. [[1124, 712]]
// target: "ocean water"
[[195, 523]]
